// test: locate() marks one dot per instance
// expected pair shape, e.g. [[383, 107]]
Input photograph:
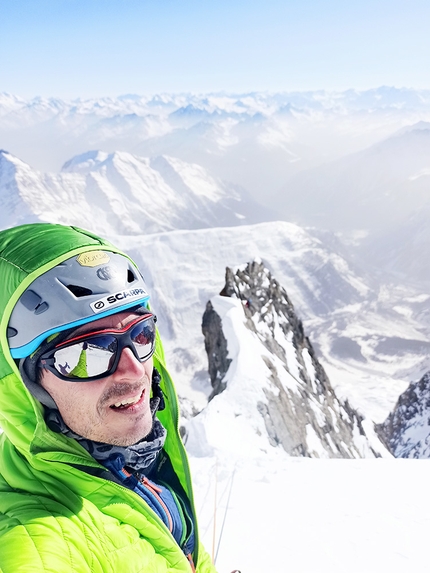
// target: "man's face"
[[88, 408]]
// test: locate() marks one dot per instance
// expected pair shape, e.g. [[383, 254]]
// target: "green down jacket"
[[54, 514]]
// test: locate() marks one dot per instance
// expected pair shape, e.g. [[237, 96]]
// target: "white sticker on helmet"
[[117, 299]]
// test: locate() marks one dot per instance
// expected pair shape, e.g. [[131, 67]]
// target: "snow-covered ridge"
[[371, 342], [120, 192]]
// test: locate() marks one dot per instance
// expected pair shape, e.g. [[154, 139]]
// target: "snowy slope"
[[185, 269], [313, 516], [28, 196]]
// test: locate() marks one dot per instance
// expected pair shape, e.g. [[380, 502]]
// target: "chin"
[[133, 437]]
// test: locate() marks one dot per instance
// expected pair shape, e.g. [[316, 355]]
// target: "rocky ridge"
[[406, 431], [301, 411]]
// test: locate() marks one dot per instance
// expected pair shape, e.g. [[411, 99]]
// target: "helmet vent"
[[79, 291], [11, 332], [130, 276]]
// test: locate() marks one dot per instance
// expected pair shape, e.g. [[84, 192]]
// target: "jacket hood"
[[26, 252], [36, 460]]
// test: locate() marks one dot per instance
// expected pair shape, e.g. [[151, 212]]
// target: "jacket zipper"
[[191, 562], [141, 503], [171, 396], [155, 491]]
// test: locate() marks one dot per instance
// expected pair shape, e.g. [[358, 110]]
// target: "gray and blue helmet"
[[81, 289]]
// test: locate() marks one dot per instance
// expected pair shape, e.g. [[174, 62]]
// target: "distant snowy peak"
[[264, 369], [15, 199], [120, 193], [85, 162], [406, 431], [419, 126], [28, 196], [193, 177], [10, 102], [166, 192]]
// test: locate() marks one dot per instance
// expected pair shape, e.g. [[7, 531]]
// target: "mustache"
[[120, 390]]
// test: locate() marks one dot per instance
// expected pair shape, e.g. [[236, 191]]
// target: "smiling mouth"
[[127, 402]]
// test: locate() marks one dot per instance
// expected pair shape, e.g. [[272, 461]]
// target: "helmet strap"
[[157, 400], [35, 389]]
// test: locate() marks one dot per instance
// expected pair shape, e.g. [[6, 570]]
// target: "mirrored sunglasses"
[[96, 354]]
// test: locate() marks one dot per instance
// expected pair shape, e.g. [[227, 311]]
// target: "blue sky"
[[86, 48]]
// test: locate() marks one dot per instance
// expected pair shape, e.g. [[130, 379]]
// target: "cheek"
[[69, 395], [149, 367]]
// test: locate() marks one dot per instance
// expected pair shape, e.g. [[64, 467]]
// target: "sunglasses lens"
[[91, 357], [94, 356], [143, 338]]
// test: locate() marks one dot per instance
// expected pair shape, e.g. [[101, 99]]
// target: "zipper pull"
[[150, 485], [191, 562]]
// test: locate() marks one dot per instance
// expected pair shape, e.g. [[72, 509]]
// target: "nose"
[[129, 367]]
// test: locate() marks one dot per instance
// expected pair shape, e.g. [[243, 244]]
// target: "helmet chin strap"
[[157, 400], [35, 389]]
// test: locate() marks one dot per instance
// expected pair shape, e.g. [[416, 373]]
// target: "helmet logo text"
[[118, 298], [93, 258]]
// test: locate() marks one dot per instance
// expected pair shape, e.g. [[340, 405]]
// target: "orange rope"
[[215, 509]]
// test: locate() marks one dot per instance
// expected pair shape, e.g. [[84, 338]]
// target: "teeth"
[[128, 401]]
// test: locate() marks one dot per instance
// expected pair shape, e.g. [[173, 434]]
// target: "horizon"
[[216, 93]]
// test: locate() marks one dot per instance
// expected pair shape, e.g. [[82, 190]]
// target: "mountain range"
[[354, 162], [256, 140]]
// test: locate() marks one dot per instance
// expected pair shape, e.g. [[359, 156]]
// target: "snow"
[[313, 516]]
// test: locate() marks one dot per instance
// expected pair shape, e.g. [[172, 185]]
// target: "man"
[[93, 474]]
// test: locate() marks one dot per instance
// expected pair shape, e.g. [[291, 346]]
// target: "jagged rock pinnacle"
[[300, 406]]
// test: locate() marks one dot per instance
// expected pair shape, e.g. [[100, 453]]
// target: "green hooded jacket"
[[55, 514]]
